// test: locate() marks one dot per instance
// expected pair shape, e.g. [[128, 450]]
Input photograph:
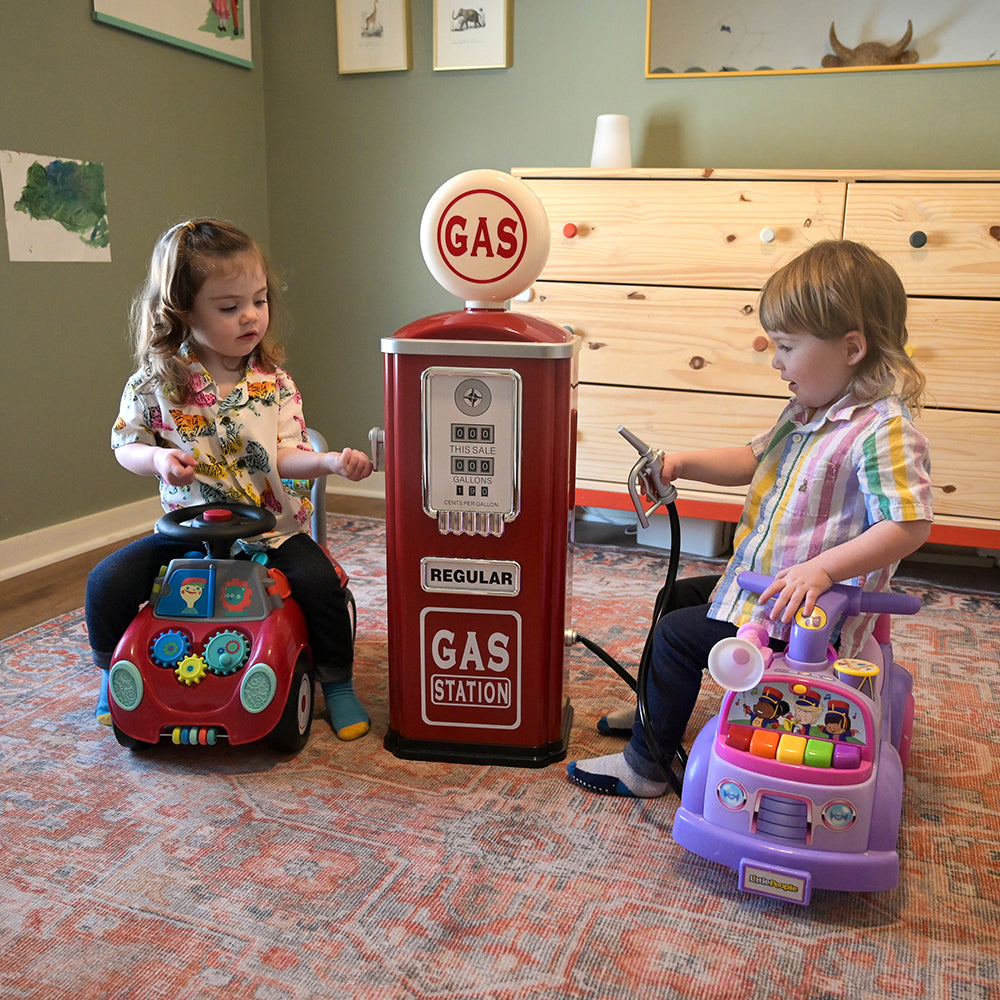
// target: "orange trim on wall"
[[705, 509], [941, 534]]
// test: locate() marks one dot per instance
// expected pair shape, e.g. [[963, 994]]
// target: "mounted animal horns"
[[870, 53]]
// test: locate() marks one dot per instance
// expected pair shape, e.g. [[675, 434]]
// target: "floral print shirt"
[[234, 440]]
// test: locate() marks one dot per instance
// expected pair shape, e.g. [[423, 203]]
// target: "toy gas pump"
[[479, 447]]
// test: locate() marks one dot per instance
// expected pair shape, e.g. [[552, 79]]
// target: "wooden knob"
[[918, 239], [760, 344], [570, 230]]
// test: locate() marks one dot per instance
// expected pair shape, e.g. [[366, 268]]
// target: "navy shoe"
[[606, 729], [602, 784]]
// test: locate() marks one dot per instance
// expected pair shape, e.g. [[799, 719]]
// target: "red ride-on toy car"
[[221, 651]]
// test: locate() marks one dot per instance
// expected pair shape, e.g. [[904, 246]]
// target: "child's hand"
[[174, 467], [667, 469], [351, 464], [796, 587], [670, 468]]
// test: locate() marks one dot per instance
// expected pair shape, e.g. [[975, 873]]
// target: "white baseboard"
[[373, 486], [36, 549]]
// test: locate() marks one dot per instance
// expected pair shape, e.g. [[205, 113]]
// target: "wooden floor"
[[36, 597]]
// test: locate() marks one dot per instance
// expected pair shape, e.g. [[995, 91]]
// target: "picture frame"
[[373, 36], [479, 37], [220, 28], [796, 36]]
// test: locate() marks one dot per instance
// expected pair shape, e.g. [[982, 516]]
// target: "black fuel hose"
[[640, 684]]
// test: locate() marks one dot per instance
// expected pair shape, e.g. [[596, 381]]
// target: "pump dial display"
[[471, 465]]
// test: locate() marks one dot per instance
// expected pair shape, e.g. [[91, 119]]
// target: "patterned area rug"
[[344, 872]]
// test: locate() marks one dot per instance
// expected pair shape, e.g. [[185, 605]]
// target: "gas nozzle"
[[644, 478]]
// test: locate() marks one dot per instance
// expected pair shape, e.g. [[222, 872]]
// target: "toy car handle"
[[646, 472], [376, 441], [189, 524], [807, 642], [858, 600]]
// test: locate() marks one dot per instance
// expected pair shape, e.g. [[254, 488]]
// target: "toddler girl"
[[211, 413]]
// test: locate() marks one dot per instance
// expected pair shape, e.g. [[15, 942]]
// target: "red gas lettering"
[[483, 243], [444, 652]]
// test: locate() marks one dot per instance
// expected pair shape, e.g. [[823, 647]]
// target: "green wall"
[[332, 173], [179, 134]]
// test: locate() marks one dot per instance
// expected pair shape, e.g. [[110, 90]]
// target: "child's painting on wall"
[[55, 208]]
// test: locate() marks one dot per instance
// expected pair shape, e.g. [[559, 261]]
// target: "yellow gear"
[[191, 670]]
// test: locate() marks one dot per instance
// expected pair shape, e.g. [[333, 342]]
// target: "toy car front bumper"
[[762, 862]]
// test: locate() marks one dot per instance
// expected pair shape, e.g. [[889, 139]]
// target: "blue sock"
[[347, 715], [103, 711]]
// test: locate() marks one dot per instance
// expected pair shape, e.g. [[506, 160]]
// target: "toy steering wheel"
[[216, 524]]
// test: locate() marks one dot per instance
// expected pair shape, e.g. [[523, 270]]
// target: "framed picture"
[[373, 36], [716, 37], [218, 28], [480, 37]]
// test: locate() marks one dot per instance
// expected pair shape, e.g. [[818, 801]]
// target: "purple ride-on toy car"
[[221, 651], [797, 783]]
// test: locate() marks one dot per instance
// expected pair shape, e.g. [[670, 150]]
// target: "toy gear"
[[169, 647], [226, 652], [191, 670]]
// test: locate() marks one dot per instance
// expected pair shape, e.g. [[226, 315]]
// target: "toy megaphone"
[[738, 663]]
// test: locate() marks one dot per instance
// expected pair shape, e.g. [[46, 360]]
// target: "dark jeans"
[[681, 642], [119, 584]]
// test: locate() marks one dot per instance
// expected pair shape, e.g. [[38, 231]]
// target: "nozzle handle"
[[647, 472]]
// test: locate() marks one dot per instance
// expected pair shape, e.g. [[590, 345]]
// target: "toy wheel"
[[129, 742], [292, 731]]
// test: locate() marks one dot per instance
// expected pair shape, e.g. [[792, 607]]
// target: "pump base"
[[447, 752]]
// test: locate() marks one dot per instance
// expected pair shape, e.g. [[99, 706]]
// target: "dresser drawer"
[[678, 338], [961, 223], [965, 473], [965, 461], [663, 418], [710, 340], [684, 232], [956, 343]]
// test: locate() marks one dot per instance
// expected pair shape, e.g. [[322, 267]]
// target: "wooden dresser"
[[658, 272]]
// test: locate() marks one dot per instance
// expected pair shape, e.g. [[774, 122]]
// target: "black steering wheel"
[[218, 525]]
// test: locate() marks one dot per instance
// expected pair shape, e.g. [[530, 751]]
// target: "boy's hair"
[[835, 287], [183, 257]]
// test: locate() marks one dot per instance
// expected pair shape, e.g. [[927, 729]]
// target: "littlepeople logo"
[[481, 236], [772, 883]]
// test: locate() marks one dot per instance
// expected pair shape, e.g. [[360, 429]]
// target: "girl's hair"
[[183, 257], [837, 286]]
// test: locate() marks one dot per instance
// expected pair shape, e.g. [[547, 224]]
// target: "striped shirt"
[[821, 480]]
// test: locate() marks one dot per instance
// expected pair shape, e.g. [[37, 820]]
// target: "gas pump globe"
[[479, 446]]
